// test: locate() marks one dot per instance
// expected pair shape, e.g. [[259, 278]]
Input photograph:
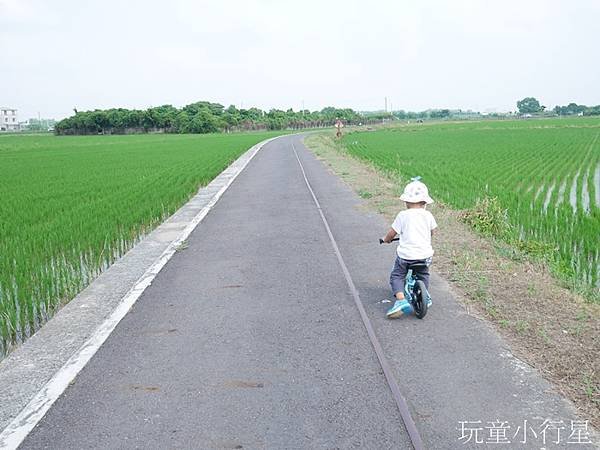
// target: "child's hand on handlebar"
[[389, 237]]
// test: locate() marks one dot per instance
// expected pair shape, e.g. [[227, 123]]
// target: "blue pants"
[[398, 275]]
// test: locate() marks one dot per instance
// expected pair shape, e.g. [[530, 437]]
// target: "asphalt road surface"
[[250, 338]]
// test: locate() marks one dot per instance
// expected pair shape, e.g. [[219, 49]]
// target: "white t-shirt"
[[414, 230]]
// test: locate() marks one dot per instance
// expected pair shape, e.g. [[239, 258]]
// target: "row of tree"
[[207, 117], [530, 105], [574, 109], [201, 117]]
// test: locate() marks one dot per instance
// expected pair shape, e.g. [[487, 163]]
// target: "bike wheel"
[[420, 299]]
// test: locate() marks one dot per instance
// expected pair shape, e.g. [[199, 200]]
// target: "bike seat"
[[417, 266]]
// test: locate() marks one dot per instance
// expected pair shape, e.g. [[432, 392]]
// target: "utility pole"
[[385, 104]]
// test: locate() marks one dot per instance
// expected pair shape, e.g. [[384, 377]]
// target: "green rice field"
[[70, 206], [545, 173]]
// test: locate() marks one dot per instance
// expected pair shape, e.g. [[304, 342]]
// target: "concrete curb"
[[34, 375]]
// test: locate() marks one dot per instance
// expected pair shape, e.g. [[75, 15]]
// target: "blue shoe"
[[400, 307]]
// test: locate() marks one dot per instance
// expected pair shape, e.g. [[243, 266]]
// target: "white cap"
[[416, 192]]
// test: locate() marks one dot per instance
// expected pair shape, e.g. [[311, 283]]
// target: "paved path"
[[249, 338]]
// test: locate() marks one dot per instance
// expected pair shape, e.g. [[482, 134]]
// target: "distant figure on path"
[[338, 125]]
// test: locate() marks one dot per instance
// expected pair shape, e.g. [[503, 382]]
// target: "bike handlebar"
[[381, 240]]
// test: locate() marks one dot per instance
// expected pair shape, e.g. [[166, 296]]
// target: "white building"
[[9, 120]]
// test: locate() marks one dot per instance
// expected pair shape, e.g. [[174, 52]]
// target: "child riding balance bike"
[[413, 229]]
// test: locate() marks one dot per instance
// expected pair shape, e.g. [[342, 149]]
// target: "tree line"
[[575, 109], [531, 105], [201, 117]]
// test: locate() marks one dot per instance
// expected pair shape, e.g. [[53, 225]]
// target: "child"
[[415, 227]]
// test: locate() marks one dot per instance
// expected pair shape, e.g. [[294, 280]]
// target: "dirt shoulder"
[[546, 325]]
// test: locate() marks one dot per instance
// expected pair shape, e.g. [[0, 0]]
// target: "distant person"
[[414, 226], [338, 125]]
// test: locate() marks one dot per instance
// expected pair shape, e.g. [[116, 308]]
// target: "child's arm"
[[391, 234], [433, 225]]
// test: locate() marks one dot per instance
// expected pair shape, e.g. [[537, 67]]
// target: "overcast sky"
[[478, 54]]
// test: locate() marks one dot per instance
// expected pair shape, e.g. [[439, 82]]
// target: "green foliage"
[[529, 105], [199, 117], [440, 114], [533, 247], [365, 194], [488, 217], [71, 206], [575, 109]]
